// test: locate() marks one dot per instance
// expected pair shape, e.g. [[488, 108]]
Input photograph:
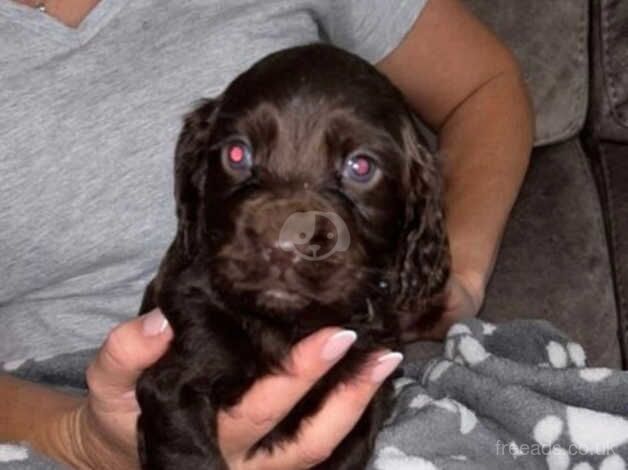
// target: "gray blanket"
[[511, 396]]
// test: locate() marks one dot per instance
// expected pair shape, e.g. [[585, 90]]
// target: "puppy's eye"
[[237, 156], [360, 167]]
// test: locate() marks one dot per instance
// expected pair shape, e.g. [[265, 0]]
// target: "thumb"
[[129, 348]]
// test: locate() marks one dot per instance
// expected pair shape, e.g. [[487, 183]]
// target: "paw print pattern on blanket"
[[468, 419], [595, 432], [12, 453], [560, 356], [548, 430], [595, 374], [391, 458], [511, 396]]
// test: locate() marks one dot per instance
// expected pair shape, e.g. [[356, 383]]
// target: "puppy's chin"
[[281, 301]]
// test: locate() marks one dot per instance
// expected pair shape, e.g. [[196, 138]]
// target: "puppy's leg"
[[177, 426]]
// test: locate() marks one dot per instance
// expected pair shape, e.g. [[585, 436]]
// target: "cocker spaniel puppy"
[[305, 199]]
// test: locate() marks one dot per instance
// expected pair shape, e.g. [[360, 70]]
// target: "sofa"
[[564, 255]]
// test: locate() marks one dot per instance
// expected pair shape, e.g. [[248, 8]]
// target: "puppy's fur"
[[238, 300]]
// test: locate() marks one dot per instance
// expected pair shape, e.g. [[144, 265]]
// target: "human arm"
[[468, 87], [98, 431], [84, 430]]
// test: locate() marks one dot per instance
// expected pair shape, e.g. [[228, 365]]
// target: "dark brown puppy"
[[304, 199]]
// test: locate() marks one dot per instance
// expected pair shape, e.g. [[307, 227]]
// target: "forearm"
[[41, 416], [486, 144]]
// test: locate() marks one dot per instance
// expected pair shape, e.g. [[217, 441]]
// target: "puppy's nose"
[[284, 245], [286, 231], [280, 255]]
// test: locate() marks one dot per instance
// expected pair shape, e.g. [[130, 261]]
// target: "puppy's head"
[[304, 191]]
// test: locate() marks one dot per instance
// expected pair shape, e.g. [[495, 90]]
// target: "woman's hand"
[[463, 298], [104, 436], [101, 430], [476, 100], [272, 397]]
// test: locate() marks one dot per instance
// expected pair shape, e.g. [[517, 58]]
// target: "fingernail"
[[338, 344], [154, 323], [386, 364]]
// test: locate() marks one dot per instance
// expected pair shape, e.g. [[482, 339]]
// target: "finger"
[[129, 348], [321, 434], [272, 397]]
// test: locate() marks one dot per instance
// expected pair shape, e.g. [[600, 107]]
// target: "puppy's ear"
[[423, 262], [190, 169]]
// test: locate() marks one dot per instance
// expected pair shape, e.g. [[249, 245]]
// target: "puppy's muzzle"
[[283, 247], [289, 231]]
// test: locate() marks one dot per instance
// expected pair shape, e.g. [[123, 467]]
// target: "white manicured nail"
[[386, 364], [338, 344], [154, 323]]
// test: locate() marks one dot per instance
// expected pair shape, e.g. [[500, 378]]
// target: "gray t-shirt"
[[88, 123]]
